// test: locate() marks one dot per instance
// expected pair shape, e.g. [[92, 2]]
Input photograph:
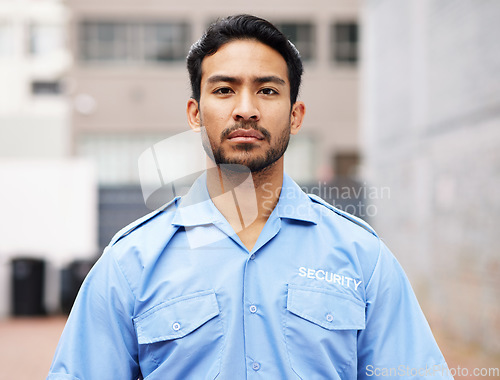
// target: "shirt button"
[[176, 326], [253, 309], [255, 366], [329, 317], [252, 256]]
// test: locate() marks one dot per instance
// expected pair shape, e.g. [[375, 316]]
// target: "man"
[[246, 276]]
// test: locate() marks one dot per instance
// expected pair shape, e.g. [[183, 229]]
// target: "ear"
[[297, 117], [193, 115]]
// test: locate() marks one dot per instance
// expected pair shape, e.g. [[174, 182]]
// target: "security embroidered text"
[[333, 278]]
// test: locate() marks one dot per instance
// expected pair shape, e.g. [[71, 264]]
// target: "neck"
[[255, 195]]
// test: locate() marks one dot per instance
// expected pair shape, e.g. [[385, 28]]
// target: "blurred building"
[[129, 85], [431, 122], [33, 62], [47, 198]]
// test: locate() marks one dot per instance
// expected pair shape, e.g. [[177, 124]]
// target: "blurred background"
[[402, 129]]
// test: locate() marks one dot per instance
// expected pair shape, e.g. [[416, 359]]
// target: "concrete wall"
[[431, 129]]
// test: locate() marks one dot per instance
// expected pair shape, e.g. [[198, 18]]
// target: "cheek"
[[215, 123], [214, 117], [280, 112], [280, 118]]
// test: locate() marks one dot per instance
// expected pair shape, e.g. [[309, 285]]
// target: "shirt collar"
[[197, 208], [294, 203]]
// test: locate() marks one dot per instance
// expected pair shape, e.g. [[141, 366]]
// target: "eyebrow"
[[229, 79], [270, 78]]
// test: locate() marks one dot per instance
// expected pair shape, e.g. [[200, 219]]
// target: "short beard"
[[256, 164]]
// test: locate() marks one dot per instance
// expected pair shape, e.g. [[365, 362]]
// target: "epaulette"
[[139, 222], [344, 214]]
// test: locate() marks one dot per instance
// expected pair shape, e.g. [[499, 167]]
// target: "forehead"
[[244, 59]]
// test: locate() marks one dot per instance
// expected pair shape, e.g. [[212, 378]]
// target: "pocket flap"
[[177, 317], [328, 309]]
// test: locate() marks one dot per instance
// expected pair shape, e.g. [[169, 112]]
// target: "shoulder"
[[356, 222], [141, 241], [163, 214], [136, 247], [355, 235]]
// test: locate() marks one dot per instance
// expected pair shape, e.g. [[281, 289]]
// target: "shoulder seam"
[[368, 282], [361, 223]]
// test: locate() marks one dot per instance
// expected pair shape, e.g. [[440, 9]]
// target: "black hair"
[[241, 27]]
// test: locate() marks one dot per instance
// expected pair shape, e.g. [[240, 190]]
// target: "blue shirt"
[[177, 295]]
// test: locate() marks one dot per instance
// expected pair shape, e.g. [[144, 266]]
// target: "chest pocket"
[[320, 327], [184, 327]]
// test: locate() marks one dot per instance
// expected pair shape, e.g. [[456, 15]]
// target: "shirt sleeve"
[[98, 341], [397, 341]]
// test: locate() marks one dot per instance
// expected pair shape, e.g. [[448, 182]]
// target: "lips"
[[245, 135]]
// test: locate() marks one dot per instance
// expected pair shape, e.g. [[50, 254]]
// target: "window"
[[344, 37], [301, 35], [133, 42], [45, 88], [45, 39], [104, 42], [6, 39], [165, 42]]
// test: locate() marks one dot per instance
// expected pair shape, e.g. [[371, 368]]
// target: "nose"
[[246, 107]]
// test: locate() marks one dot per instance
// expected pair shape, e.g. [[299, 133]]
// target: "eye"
[[223, 91], [268, 91]]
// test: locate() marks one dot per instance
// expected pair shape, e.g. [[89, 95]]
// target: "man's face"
[[245, 105]]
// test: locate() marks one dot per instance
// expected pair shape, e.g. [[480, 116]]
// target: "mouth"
[[245, 136]]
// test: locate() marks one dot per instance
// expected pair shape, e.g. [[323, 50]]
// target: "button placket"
[[252, 322]]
